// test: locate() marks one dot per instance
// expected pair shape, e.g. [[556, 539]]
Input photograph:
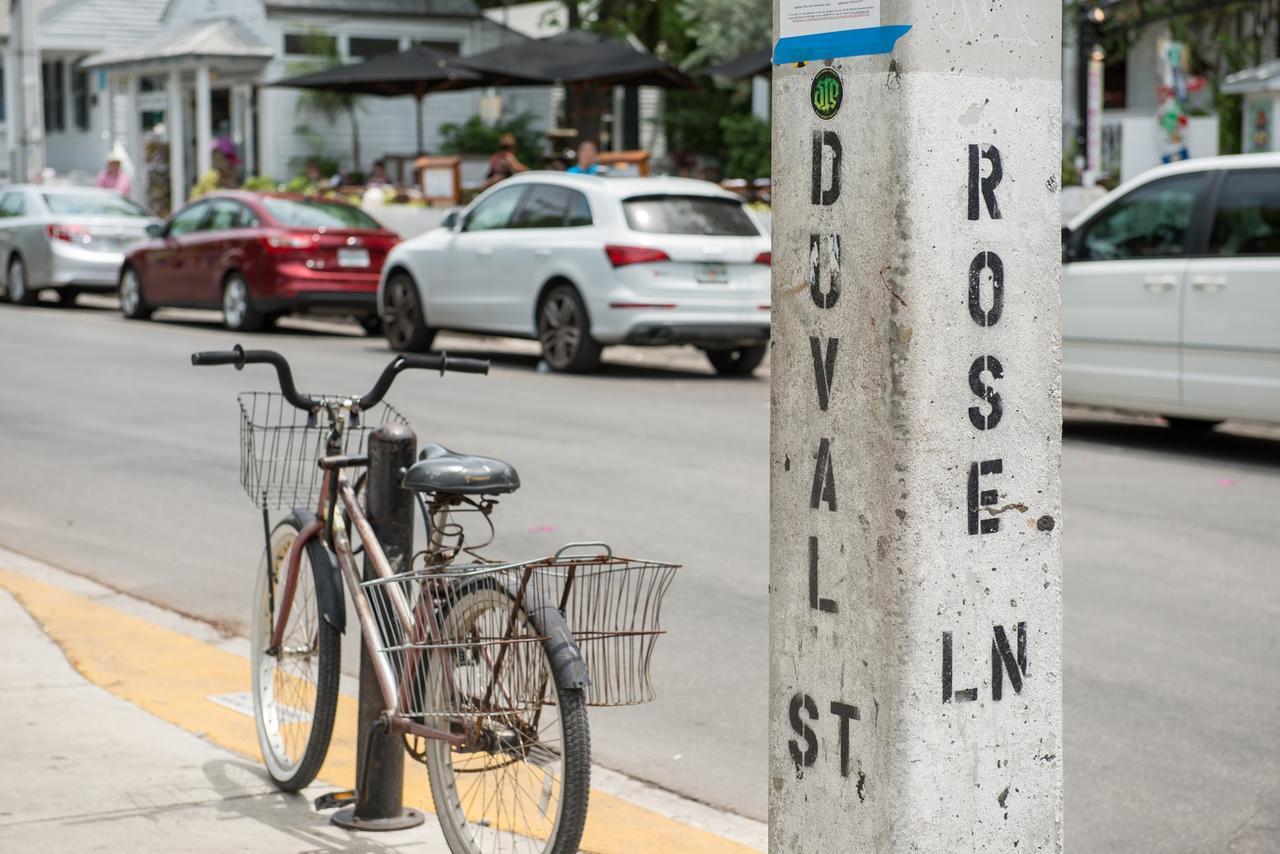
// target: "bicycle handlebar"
[[240, 357]]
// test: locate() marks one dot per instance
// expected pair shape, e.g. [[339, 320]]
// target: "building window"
[[310, 44], [449, 48], [52, 80], [80, 98], [1114, 83], [367, 48]]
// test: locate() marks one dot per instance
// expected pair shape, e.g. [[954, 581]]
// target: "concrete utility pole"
[[26, 112], [915, 619]]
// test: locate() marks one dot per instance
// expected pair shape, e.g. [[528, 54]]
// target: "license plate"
[[713, 274], [353, 257]]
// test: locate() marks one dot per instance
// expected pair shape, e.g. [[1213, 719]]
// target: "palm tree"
[[323, 49]]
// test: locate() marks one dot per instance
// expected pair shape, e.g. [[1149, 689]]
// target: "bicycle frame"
[[335, 481]]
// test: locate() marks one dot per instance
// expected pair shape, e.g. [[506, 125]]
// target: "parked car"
[[1171, 294], [258, 256], [65, 239], [581, 262]]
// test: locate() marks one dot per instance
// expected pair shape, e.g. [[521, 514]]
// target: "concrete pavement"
[[131, 727]]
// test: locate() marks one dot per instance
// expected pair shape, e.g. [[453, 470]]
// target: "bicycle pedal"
[[334, 800]]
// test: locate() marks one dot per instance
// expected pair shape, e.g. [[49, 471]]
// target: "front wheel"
[[132, 304], [295, 687], [403, 319], [520, 785]]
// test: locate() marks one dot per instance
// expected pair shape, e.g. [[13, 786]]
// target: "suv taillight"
[[621, 256], [765, 258]]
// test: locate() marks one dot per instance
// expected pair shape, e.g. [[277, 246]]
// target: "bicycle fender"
[[324, 570], [566, 657]]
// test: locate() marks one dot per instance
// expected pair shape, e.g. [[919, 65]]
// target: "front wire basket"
[[280, 445], [612, 605]]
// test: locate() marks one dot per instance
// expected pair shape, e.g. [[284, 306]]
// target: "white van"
[[1171, 294]]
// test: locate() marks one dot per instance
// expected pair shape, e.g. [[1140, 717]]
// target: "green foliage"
[[726, 29], [748, 145], [261, 184], [207, 184], [475, 137], [1070, 174]]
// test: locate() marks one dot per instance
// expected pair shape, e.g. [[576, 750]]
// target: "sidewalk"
[[93, 687]]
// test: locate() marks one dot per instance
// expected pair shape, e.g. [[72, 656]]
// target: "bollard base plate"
[[347, 818]]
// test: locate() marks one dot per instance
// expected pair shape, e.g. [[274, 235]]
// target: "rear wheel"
[[521, 785], [403, 320], [132, 303], [565, 331], [238, 313], [295, 688], [739, 361], [20, 291]]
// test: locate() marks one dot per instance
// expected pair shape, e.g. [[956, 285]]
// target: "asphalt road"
[[119, 460]]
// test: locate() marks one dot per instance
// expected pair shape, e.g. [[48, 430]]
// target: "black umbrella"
[[418, 71], [577, 56], [749, 65]]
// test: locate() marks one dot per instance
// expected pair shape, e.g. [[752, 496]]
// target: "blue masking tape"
[[862, 42]]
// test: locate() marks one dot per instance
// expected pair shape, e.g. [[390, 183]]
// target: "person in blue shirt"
[[586, 164]]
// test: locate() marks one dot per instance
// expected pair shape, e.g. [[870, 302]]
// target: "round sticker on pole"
[[826, 93]]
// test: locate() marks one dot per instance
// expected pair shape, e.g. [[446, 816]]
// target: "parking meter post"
[[915, 509], [380, 756]]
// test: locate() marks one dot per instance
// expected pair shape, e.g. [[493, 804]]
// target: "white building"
[[129, 70]]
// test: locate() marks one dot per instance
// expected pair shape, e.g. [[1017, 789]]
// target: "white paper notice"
[[811, 17]]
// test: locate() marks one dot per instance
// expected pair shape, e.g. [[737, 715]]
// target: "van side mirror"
[[450, 220], [1067, 253], [155, 229]]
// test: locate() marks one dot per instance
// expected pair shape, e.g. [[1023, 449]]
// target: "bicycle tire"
[[465, 833], [292, 756]]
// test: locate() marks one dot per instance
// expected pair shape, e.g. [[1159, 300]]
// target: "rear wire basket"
[[281, 445], [612, 605]]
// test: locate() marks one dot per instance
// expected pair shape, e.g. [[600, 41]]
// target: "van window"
[[1151, 222], [1247, 219]]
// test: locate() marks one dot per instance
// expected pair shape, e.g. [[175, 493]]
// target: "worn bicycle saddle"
[[441, 470]]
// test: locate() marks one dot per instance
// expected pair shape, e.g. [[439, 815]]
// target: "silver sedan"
[[65, 239]]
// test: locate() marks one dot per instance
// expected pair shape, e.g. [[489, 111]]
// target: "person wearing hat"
[[504, 163], [114, 177]]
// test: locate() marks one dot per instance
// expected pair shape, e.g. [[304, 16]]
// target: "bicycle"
[[485, 668]]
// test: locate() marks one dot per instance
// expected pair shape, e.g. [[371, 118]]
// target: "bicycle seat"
[[441, 470]]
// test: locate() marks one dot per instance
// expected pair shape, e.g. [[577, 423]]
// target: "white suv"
[[579, 262], [1171, 294]]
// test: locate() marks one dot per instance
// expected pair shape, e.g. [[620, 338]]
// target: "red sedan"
[[258, 256]]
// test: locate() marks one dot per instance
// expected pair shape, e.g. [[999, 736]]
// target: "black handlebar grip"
[[466, 366], [219, 357]]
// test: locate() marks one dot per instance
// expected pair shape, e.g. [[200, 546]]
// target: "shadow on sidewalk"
[[240, 786]]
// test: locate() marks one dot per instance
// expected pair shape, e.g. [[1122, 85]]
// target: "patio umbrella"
[[418, 71], [748, 65], [577, 56]]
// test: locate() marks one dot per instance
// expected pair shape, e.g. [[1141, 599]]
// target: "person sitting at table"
[[587, 165], [114, 176], [378, 177], [504, 163]]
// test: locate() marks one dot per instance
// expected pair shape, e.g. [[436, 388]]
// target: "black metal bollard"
[[390, 510]]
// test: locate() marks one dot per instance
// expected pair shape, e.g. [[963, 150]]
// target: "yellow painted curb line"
[[172, 676]]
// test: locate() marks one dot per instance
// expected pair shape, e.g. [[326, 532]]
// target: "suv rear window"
[[310, 213], [707, 215]]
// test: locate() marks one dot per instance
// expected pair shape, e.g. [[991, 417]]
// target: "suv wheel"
[[739, 361], [565, 331], [403, 320]]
